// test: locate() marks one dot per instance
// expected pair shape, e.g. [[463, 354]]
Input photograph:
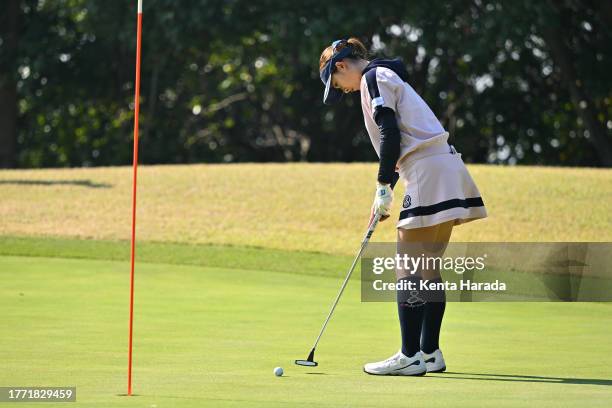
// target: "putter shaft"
[[364, 244]]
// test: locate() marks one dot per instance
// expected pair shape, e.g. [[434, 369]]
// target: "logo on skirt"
[[407, 201]]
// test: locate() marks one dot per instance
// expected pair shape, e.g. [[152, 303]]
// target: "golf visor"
[[331, 94]]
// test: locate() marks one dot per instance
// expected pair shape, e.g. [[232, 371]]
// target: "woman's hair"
[[359, 51]]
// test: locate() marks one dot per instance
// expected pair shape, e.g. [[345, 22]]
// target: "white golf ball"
[[278, 371]]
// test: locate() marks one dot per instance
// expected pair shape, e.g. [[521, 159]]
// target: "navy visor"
[[331, 94]]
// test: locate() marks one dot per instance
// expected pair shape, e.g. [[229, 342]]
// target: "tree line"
[[514, 82]]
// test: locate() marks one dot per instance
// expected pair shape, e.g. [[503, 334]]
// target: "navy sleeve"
[[389, 144], [396, 177]]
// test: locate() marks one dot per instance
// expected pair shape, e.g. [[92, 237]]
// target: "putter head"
[[306, 363], [309, 362]]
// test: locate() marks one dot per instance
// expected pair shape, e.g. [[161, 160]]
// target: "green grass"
[[208, 336], [237, 265], [309, 263], [302, 207]]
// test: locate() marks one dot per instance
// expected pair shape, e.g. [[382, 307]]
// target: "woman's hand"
[[382, 201], [372, 213]]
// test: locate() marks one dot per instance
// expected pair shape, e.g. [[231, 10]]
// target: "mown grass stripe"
[[231, 257]]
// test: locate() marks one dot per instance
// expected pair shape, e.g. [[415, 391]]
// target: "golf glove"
[[382, 199]]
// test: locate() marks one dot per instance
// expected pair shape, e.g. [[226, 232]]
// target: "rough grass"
[[308, 207]]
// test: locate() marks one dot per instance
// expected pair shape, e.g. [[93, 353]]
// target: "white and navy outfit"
[[405, 132], [407, 135]]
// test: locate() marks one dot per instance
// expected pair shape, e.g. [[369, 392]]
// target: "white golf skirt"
[[439, 188]]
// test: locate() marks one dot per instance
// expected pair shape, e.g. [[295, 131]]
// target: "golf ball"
[[278, 371]]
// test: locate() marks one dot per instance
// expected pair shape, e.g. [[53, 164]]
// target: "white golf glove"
[[382, 199]]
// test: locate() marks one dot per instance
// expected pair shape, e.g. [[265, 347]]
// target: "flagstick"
[[135, 171]]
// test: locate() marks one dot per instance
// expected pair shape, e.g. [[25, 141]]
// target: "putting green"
[[211, 336]]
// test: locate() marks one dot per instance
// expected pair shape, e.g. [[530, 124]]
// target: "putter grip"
[[373, 226]]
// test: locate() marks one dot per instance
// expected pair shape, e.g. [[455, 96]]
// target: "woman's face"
[[347, 76]]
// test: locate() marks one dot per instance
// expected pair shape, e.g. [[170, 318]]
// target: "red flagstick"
[[135, 171]]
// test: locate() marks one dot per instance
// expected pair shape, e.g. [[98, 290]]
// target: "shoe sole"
[[398, 374], [439, 370]]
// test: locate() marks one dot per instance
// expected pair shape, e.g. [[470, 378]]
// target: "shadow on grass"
[[522, 378], [80, 183]]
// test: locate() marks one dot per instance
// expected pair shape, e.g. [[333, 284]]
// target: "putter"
[[309, 362]]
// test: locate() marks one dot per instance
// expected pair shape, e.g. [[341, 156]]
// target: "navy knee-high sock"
[[410, 310], [433, 312]]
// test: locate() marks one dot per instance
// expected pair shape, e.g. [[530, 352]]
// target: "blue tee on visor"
[[333, 95]]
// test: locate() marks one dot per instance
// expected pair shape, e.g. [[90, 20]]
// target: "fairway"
[[209, 336], [279, 205]]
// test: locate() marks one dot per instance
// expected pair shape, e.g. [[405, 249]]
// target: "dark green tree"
[[236, 80]]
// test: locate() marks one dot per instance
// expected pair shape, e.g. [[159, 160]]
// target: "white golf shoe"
[[434, 362], [398, 364]]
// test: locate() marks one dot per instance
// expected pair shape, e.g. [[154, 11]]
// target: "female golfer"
[[440, 193]]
